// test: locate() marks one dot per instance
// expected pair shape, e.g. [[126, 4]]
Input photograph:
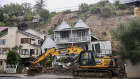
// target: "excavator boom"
[[53, 52]]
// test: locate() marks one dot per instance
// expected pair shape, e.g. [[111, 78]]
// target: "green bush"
[[13, 57]]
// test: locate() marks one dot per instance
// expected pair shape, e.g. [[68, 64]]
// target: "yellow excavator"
[[86, 63], [106, 66]]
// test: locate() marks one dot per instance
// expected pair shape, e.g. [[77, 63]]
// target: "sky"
[[54, 5]]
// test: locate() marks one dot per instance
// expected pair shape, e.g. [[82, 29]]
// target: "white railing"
[[11, 68], [72, 39]]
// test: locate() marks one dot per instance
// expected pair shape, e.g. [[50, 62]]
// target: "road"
[[49, 76]]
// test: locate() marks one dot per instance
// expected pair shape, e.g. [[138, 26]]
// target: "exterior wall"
[[72, 38], [105, 47], [81, 45], [27, 45]]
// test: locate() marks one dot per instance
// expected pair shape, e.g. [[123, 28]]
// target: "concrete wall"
[[132, 70]]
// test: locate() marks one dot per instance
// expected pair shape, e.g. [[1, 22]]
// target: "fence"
[[10, 68]]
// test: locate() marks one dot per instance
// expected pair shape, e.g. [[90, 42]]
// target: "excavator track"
[[93, 73]]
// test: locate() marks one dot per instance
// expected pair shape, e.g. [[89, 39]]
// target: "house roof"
[[28, 34], [81, 24], [63, 25], [3, 28]]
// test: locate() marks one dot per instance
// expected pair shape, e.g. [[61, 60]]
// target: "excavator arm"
[[53, 52], [46, 54]]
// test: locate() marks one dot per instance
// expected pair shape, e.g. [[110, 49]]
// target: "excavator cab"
[[87, 58]]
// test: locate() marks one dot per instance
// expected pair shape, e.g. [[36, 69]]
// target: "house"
[[30, 45], [40, 34], [66, 36]]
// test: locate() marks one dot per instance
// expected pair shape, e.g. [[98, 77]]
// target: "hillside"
[[100, 26]]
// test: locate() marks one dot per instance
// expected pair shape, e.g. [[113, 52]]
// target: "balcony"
[[60, 40]]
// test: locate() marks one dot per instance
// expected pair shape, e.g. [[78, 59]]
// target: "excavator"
[[106, 66]]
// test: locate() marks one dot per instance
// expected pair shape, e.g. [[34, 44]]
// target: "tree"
[[13, 57], [83, 7], [26, 7], [50, 31], [44, 14], [39, 5], [128, 34]]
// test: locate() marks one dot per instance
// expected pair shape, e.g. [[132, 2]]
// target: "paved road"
[[49, 76]]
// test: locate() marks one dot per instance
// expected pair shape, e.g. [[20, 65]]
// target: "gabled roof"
[[28, 34], [63, 25], [80, 24]]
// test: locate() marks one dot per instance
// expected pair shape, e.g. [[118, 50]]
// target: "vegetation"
[[13, 58], [128, 34], [50, 31], [104, 8], [44, 14], [62, 60]]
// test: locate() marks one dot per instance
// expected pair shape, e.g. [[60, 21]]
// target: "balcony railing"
[[72, 39]]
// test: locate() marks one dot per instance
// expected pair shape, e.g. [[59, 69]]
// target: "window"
[[64, 34], [25, 40], [33, 39], [81, 33], [2, 41], [1, 64], [24, 52], [97, 48], [36, 51]]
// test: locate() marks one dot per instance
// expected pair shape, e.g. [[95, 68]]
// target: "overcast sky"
[[54, 5]]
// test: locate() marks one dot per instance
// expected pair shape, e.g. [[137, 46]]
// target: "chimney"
[[12, 33], [137, 8]]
